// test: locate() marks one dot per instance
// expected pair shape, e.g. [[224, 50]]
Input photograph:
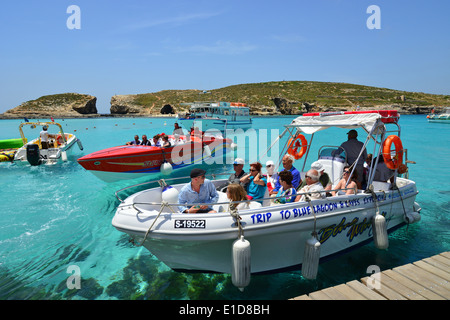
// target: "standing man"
[[352, 148], [199, 190], [44, 135]]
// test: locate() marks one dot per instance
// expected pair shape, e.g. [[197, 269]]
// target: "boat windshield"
[[332, 153]]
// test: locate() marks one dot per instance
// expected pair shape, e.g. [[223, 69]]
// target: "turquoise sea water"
[[55, 217]]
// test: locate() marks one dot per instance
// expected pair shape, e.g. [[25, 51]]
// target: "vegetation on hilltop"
[[324, 94]]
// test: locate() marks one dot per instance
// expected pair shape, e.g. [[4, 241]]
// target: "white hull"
[[216, 124], [47, 156], [277, 233]]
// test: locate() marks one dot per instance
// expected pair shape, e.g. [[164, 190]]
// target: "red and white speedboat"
[[131, 161]]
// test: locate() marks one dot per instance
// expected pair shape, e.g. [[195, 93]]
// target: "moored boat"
[[216, 115], [443, 117], [58, 147], [152, 162], [279, 234]]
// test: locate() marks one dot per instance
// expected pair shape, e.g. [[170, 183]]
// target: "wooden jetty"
[[427, 279]]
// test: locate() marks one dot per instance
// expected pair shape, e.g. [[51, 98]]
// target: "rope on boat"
[[235, 214], [163, 205]]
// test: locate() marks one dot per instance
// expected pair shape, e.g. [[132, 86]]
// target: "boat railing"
[[272, 198]]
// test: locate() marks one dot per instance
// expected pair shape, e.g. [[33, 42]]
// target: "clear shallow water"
[[53, 217]]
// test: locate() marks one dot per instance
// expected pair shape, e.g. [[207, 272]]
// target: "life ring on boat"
[[59, 140], [295, 143], [393, 162]]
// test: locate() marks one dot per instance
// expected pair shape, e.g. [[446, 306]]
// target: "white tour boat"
[[216, 115], [284, 236], [59, 145]]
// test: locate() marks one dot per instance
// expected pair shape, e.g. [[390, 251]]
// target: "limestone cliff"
[[57, 106]]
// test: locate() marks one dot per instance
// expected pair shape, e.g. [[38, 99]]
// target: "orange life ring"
[[59, 140], [295, 143], [393, 161]]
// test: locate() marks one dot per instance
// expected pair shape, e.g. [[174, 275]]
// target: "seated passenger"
[[382, 172], [351, 184], [286, 188], [199, 190], [324, 178], [236, 192], [136, 141], [165, 141], [144, 141], [256, 182], [313, 187], [288, 161], [155, 142]]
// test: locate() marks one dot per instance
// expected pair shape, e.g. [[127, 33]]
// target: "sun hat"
[[316, 165], [239, 161]]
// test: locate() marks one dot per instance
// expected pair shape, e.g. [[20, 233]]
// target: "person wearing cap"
[[199, 190], [238, 166], [324, 178], [272, 176], [352, 148], [44, 135]]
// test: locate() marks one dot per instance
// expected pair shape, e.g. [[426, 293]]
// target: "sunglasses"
[[269, 165], [253, 170], [307, 177], [346, 172]]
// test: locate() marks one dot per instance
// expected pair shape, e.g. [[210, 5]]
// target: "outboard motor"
[[33, 154]]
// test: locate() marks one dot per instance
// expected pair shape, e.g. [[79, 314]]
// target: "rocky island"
[[264, 99], [66, 105]]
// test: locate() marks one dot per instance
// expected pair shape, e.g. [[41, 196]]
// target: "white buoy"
[[64, 156], [408, 218], [310, 264], [169, 194], [241, 263], [166, 168], [379, 229], [233, 146], [416, 215], [80, 145]]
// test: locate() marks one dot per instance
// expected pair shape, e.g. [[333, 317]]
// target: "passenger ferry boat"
[[216, 115], [282, 236], [443, 117]]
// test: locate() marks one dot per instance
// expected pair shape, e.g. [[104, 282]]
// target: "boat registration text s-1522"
[[196, 224]]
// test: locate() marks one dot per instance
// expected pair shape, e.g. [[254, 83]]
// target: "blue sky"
[[136, 46]]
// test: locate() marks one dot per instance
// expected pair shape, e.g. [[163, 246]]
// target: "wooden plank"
[[423, 278], [363, 290], [334, 294], [432, 269], [446, 254], [319, 295], [419, 289], [384, 290], [438, 264], [442, 259], [303, 297], [427, 275], [395, 285], [349, 292]]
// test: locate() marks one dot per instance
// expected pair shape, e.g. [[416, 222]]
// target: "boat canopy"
[[312, 124]]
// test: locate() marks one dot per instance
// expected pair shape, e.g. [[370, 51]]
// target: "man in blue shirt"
[[199, 190], [287, 161]]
